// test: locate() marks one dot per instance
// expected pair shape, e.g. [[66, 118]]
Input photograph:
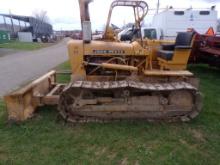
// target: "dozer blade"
[[22, 103], [85, 101]]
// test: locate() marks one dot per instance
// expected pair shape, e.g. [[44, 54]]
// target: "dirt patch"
[[112, 156], [100, 151], [198, 135], [184, 142], [3, 155], [137, 163], [194, 147], [124, 161]]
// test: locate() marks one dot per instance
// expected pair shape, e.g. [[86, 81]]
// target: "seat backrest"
[[184, 38]]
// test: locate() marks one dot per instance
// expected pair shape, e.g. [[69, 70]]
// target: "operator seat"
[[176, 56]]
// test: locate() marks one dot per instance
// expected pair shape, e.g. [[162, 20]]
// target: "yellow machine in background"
[[113, 80]]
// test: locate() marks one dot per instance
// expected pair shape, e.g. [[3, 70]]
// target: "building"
[[15, 23]]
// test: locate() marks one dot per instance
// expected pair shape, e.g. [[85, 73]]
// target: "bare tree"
[[41, 15], [42, 18]]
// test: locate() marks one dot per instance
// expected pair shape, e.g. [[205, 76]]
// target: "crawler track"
[[88, 101]]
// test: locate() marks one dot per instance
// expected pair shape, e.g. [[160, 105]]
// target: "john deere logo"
[[108, 51]]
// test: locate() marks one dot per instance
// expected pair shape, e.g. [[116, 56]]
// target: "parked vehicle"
[[206, 48], [167, 24]]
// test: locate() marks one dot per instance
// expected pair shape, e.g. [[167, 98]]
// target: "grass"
[[44, 140], [63, 78], [24, 45]]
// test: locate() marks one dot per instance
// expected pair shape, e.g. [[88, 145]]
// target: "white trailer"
[[167, 24]]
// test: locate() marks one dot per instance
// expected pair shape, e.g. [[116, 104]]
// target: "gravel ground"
[[21, 67]]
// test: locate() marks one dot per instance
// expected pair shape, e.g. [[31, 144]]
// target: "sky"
[[64, 14]]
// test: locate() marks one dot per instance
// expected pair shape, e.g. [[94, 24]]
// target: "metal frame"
[[138, 6]]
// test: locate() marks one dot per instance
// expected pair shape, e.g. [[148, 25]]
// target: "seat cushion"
[[184, 38], [165, 54], [169, 47]]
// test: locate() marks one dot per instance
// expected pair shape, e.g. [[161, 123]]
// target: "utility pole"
[[158, 6], [6, 27], [19, 25], [12, 24]]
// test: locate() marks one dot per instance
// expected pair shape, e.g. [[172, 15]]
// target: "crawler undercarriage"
[[103, 101]]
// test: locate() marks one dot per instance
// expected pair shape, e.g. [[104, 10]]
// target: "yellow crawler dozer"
[[112, 79]]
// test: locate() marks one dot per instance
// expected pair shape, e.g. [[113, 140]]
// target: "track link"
[[89, 101]]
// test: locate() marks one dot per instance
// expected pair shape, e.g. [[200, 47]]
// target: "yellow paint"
[[76, 57], [179, 60]]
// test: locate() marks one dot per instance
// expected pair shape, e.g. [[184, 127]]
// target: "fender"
[[75, 51]]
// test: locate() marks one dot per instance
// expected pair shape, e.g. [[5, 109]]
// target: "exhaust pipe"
[[87, 31], [85, 20]]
